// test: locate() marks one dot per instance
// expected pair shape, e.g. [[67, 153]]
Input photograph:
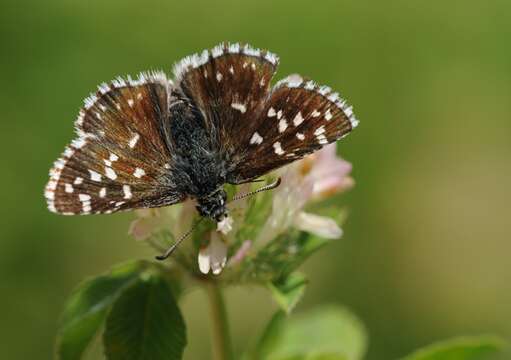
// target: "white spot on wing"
[[271, 57], [68, 152], [217, 51], [322, 139], [113, 157], [240, 107], [102, 192], [271, 112], [231, 69], [278, 148], [86, 208], [78, 143], [52, 185], [248, 50], [94, 176], [127, 191], [320, 130], [219, 76], [256, 138], [50, 195], [84, 197], [310, 85], [298, 119], [78, 181], [110, 173], [333, 97], [69, 188], [300, 136], [139, 173], [315, 113], [282, 125], [130, 102], [328, 115], [133, 141], [294, 80], [323, 90], [234, 48]]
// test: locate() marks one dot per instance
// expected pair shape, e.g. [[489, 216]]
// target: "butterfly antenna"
[[271, 186], [174, 246]]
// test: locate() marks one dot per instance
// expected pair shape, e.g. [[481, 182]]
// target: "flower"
[[315, 177], [328, 173], [318, 225], [241, 253], [225, 226], [213, 256]]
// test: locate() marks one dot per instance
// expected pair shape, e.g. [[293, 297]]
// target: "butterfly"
[[152, 141]]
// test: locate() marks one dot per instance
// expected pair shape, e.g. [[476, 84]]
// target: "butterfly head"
[[213, 205]]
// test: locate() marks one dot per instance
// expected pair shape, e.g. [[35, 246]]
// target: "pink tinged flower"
[[225, 226], [241, 253], [213, 256], [328, 173], [318, 225]]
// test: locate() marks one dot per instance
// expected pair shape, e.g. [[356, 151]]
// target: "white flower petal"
[[218, 253], [225, 226], [204, 260], [214, 256], [241, 253], [318, 225]]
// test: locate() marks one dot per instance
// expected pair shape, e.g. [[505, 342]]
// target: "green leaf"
[[327, 333], [86, 309], [145, 323], [463, 348], [288, 291]]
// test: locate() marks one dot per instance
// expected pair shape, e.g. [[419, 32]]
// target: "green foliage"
[[86, 309], [136, 305], [288, 291], [126, 290], [463, 348], [145, 323], [327, 333]]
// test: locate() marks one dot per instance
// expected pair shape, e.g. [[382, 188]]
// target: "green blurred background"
[[426, 251]]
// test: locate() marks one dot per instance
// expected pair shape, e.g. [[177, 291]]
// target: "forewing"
[[228, 85], [299, 118], [120, 159]]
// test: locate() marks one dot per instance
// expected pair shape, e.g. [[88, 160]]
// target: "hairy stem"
[[221, 340]]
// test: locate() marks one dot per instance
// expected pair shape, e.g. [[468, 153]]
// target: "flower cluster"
[[263, 228]]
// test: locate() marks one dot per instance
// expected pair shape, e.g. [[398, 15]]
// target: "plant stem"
[[221, 341]]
